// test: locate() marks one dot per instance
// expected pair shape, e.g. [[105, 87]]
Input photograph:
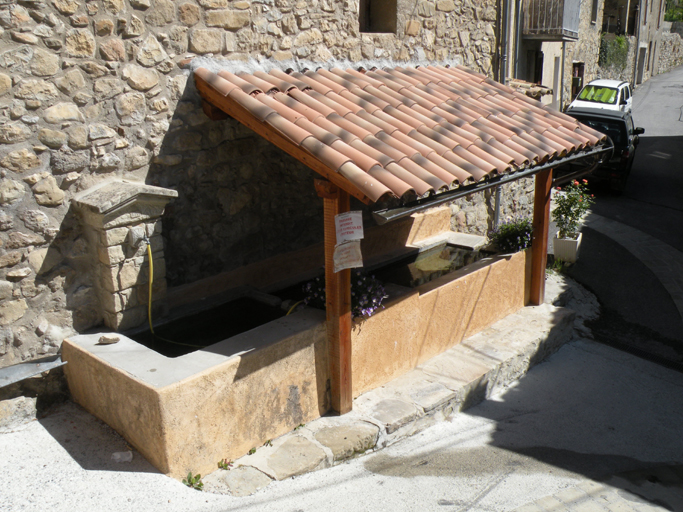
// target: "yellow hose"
[[149, 303], [151, 280], [292, 308]]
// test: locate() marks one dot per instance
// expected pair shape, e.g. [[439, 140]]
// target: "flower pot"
[[567, 249]]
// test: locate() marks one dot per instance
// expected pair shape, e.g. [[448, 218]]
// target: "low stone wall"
[[620, 73], [670, 52]]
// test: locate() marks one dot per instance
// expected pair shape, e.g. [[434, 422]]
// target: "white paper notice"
[[347, 255], [349, 226]]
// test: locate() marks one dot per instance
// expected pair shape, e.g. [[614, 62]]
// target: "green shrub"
[[512, 236], [613, 51], [673, 12]]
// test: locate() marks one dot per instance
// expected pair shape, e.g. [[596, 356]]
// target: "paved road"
[[653, 199], [638, 277]]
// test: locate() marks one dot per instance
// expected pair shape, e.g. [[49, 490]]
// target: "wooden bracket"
[[326, 189], [212, 112]]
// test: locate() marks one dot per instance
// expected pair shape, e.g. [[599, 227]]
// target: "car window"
[[614, 129], [597, 94], [627, 94]]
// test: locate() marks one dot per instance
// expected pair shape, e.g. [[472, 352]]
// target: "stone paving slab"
[[457, 379]]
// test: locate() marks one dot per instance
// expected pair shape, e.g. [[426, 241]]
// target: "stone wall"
[[95, 90], [586, 49], [670, 52], [475, 214], [621, 73]]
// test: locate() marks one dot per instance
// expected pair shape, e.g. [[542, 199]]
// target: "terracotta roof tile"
[[254, 106], [360, 158], [239, 82], [392, 182], [281, 85], [334, 104], [382, 158], [263, 85], [367, 182], [403, 132], [277, 73]]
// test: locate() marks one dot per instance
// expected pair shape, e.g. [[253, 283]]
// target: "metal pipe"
[[637, 50], [518, 41], [391, 214], [496, 209], [502, 71], [564, 50]]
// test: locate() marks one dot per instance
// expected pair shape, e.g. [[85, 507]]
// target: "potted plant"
[[571, 204]]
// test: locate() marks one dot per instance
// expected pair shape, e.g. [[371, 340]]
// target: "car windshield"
[[615, 130], [598, 94]]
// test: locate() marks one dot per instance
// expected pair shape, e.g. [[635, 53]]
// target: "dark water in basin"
[[205, 328], [417, 269]]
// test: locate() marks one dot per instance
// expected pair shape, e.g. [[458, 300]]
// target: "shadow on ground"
[[90, 442], [637, 313], [574, 417]]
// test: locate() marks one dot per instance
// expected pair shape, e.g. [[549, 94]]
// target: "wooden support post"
[[338, 297], [539, 246]]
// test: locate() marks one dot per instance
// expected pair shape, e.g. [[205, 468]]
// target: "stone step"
[[459, 378]]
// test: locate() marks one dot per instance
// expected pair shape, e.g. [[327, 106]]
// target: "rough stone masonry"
[[93, 90]]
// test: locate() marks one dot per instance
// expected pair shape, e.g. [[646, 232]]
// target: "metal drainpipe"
[[564, 48], [637, 50], [518, 36], [496, 209], [504, 39]]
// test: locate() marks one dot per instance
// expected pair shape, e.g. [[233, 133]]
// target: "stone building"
[[642, 23], [558, 48], [97, 92]]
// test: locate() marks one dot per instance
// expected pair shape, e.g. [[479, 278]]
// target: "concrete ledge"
[[461, 377]]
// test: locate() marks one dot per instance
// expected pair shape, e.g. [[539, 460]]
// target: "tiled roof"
[[401, 132]]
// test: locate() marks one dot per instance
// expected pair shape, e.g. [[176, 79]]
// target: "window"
[[377, 16], [649, 54], [659, 19], [594, 13]]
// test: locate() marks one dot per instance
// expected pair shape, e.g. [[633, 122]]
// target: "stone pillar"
[[120, 218]]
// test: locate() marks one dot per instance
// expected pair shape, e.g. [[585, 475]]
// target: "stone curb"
[[459, 378]]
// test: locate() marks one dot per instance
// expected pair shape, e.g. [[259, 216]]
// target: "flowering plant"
[[513, 235], [367, 294], [570, 208]]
